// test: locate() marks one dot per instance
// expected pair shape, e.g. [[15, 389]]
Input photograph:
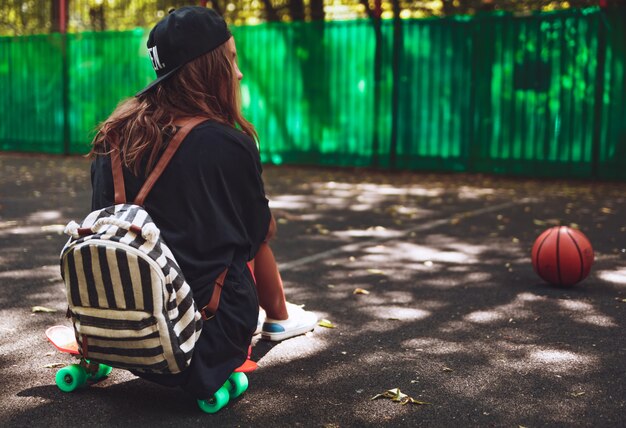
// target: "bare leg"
[[269, 284]]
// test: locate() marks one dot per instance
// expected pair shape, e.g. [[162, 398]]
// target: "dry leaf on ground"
[[326, 323], [43, 309], [399, 397]]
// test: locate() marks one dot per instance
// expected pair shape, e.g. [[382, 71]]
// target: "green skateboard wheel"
[[216, 402], [237, 384], [71, 377], [103, 371]]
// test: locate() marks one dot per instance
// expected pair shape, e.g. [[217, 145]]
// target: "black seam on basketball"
[[558, 256], [539, 252], [580, 256]]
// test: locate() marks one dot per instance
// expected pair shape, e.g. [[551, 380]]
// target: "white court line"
[[374, 241]]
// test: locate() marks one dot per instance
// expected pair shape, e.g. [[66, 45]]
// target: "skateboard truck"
[[74, 376]]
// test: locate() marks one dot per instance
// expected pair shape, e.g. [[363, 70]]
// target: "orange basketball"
[[562, 256]]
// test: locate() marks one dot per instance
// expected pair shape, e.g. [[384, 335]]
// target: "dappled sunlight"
[[370, 199], [516, 376], [289, 202], [476, 277], [575, 305], [518, 309], [306, 202], [402, 260], [377, 356], [44, 216], [382, 189], [338, 190], [466, 192], [584, 312], [431, 345], [522, 308], [425, 287], [335, 371], [506, 355], [33, 230], [12, 332], [454, 327], [328, 201], [412, 212], [443, 282], [616, 276], [482, 317], [535, 358], [357, 197], [361, 207], [370, 232], [385, 297], [297, 348], [378, 327], [557, 357], [407, 251], [389, 190], [398, 313], [51, 271]]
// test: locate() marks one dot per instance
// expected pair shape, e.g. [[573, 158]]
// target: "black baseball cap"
[[184, 34]]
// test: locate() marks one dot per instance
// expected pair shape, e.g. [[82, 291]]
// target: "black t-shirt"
[[209, 203]]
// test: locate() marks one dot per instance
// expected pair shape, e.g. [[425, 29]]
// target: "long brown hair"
[[206, 86]]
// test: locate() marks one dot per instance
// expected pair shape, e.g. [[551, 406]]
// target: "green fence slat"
[[613, 128], [106, 67], [30, 76], [492, 93]]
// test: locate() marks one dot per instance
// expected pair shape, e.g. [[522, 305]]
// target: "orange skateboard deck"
[[248, 365], [62, 337]]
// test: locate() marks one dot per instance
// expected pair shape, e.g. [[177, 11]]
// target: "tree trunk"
[[375, 16], [96, 18], [59, 22], [317, 10], [270, 12], [296, 10], [395, 94]]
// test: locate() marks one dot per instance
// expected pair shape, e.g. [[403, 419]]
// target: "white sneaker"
[[259, 323], [299, 322]]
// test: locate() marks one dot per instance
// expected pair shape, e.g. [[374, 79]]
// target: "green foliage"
[[24, 17], [21, 17]]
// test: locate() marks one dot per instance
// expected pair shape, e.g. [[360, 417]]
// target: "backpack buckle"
[[206, 313], [209, 310]]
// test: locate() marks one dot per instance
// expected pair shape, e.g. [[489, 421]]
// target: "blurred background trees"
[[24, 17]]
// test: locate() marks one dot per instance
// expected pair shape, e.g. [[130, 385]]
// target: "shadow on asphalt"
[[452, 313]]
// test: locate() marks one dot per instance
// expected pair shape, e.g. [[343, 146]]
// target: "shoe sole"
[[277, 337]]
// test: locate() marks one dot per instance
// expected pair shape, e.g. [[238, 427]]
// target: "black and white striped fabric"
[[128, 299]]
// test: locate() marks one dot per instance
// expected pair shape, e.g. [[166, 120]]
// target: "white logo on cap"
[[154, 57]]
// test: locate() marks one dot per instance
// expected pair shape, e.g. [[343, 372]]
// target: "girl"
[[209, 203]]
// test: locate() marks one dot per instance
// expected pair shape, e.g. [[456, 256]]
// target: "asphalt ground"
[[452, 313]]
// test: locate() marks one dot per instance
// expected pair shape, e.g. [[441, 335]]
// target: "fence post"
[[599, 96], [65, 87], [395, 94], [376, 19]]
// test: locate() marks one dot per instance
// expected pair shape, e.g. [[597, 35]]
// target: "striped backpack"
[[128, 300]]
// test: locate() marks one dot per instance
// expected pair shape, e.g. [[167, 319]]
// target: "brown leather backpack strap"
[[210, 309], [118, 176], [187, 125]]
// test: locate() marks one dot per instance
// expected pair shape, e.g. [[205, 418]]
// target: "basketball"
[[562, 256]]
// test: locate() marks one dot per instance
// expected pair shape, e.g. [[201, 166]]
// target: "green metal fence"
[[541, 95]]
